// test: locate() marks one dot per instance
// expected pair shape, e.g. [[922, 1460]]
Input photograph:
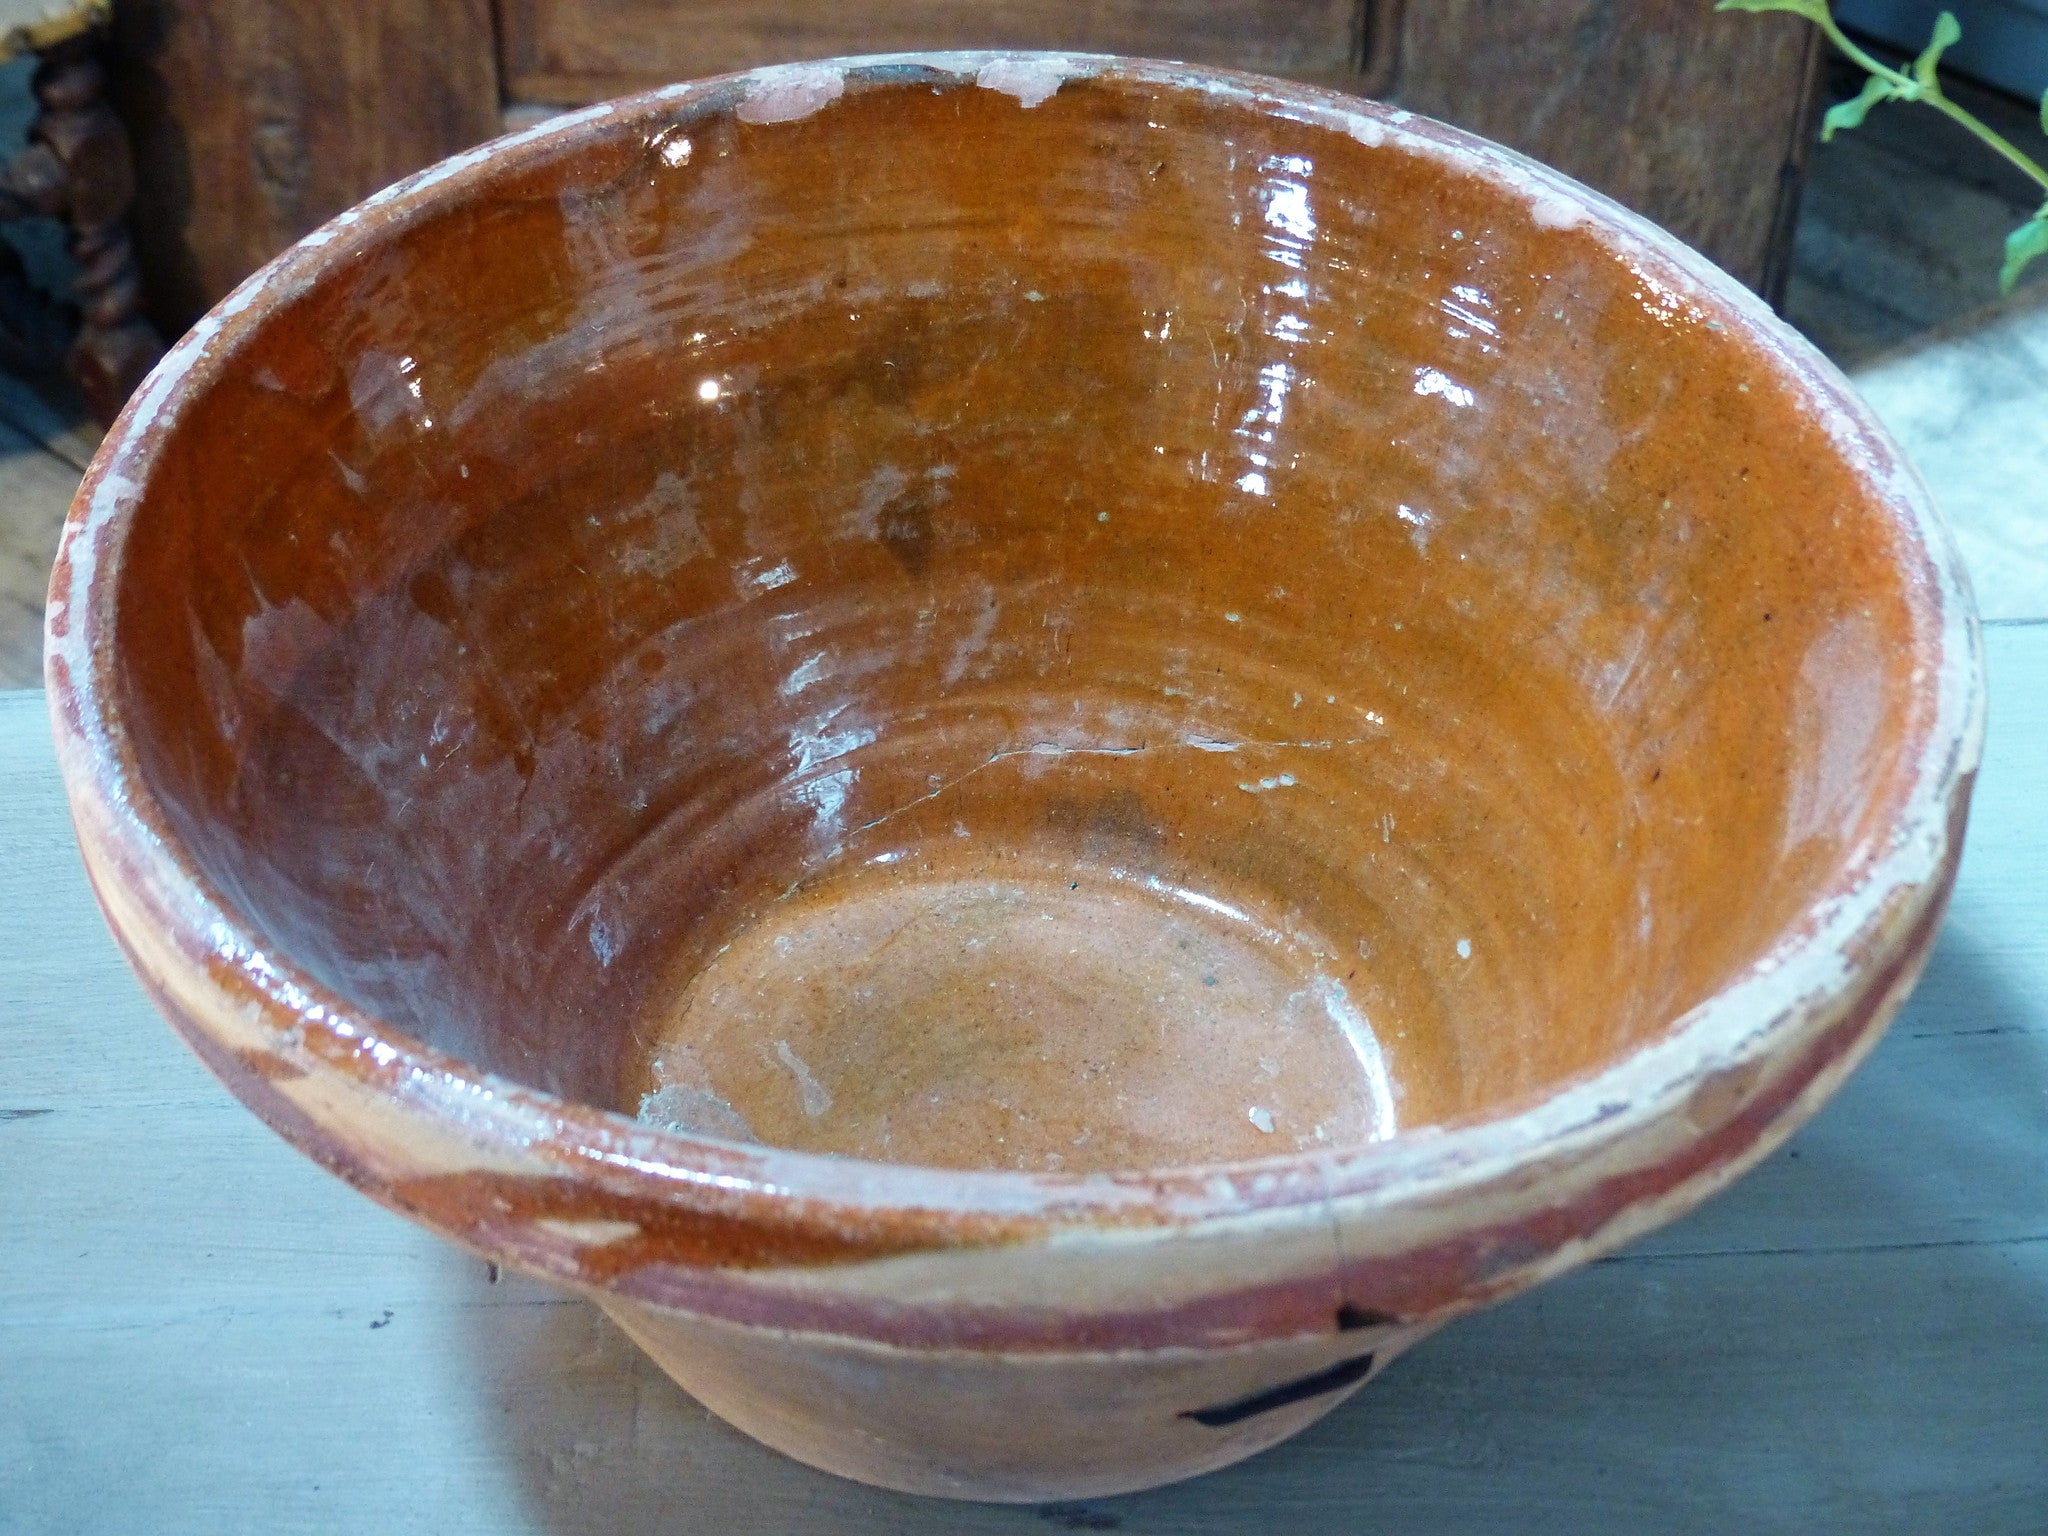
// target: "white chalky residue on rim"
[[1551, 211], [1029, 80], [785, 95]]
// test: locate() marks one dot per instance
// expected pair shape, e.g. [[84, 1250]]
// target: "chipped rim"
[[1781, 1021]]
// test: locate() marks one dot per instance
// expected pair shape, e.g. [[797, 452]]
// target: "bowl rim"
[[1868, 917]]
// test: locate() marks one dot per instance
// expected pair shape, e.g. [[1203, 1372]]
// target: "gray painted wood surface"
[[201, 1332]]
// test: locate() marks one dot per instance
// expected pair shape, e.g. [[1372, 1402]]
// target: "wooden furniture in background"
[[1699, 120], [258, 119], [589, 50], [77, 168]]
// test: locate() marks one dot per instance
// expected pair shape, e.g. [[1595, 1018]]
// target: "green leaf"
[[1850, 113], [1946, 30], [2022, 246], [1812, 10], [2044, 111]]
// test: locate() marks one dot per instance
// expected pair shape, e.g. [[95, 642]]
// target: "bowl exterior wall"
[[1007, 1427], [1032, 1421]]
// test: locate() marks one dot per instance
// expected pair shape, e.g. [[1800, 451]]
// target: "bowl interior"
[[1124, 630]]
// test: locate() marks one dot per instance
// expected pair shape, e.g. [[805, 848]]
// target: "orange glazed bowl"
[[1030, 755]]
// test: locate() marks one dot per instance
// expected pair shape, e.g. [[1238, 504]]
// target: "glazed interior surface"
[[1122, 632]]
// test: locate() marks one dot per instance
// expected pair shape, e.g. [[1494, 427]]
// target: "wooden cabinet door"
[[257, 119], [573, 51], [1697, 119]]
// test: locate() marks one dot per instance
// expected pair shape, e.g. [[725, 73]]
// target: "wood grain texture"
[[1903, 226], [257, 120], [80, 138], [1967, 408], [202, 1325], [586, 50], [1697, 120], [35, 492]]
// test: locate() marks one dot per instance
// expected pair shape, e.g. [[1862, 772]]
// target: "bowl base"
[[1038, 1018], [1015, 1428]]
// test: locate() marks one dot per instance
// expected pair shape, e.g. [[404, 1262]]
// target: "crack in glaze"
[[1055, 749]]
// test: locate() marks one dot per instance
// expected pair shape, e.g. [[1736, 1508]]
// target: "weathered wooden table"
[[201, 1332]]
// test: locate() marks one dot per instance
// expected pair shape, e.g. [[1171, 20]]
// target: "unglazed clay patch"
[[793, 92], [1030, 80]]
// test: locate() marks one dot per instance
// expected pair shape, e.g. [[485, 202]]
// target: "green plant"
[[1920, 83]]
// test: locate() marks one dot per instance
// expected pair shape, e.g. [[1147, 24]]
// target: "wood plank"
[[570, 51], [1697, 120], [35, 492], [67, 432], [1903, 228], [1967, 405], [257, 120], [202, 1325]]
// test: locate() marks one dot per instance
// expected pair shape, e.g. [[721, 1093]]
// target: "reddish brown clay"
[[1266, 721]]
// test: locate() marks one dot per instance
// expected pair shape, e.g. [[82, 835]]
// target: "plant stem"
[[1912, 90], [1989, 135], [1863, 60]]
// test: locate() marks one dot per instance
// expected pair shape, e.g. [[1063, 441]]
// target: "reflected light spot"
[[1288, 209], [1428, 381]]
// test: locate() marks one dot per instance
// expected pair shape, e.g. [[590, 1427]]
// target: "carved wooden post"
[[77, 168], [79, 138]]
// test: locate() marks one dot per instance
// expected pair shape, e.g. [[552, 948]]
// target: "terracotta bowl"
[[1031, 755]]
